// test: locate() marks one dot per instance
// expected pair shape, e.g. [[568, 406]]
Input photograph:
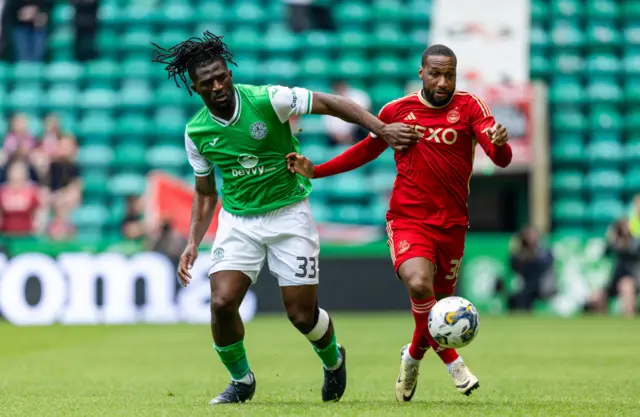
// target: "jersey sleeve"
[[288, 102], [201, 166], [386, 115], [482, 120]]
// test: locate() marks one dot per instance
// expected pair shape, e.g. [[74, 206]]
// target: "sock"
[[450, 365], [420, 310], [330, 355], [422, 338], [234, 358]]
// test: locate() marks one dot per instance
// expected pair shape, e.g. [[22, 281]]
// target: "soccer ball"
[[454, 322]]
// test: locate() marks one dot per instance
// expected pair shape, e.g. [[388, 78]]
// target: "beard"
[[437, 101]]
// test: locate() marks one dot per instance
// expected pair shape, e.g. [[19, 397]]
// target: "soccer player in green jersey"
[[245, 131]]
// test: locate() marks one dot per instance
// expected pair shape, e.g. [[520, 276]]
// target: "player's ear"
[[420, 72], [231, 74]]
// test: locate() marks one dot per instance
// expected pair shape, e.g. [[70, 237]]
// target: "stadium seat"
[[568, 120], [389, 37], [135, 95], [382, 181], [565, 182], [388, 10], [316, 153], [349, 185], [133, 125], [603, 64], [632, 91], [169, 157], [566, 34], [605, 150], [101, 73], [568, 63], [127, 184], [567, 148], [131, 155], [538, 66], [249, 12], [348, 213], [605, 118], [95, 156], [384, 92], [632, 180], [170, 121], [353, 40], [352, 13], [95, 127], [567, 8], [25, 98], [539, 37], [569, 211], [24, 72], [62, 38], [539, 11], [139, 68], [604, 90], [388, 65], [632, 152], [603, 9], [601, 180], [178, 13], [603, 36], [94, 183], [64, 71], [108, 42], [90, 216], [280, 40], [630, 9], [566, 90], [63, 97], [138, 39], [605, 210], [98, 98], [632, 122], [245, 40], [631, 34]]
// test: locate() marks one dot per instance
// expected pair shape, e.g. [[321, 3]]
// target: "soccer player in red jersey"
[[427, 219]]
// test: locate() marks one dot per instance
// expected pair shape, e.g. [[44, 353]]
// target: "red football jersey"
[[432, 183], [433, 178]]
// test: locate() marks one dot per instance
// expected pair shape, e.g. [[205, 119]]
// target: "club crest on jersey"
[[403, 246], [258, 130], [218, 254], [453, 116]]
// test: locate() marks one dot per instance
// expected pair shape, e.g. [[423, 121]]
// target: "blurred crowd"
[[532, 263], [40, 182], [25, 27]]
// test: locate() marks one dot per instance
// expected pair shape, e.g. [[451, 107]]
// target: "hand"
[[187, 259], [399, 136], [498, 135], [301, 165]]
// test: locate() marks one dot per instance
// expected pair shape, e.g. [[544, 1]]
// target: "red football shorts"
[[442, 246]]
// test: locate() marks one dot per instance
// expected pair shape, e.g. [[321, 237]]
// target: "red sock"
[[420, 310], [422, 338]]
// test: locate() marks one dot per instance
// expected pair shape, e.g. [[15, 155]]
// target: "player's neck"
[[225, 114]]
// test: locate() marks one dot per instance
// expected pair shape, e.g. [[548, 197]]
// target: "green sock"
[[234, 358], [330, 355]]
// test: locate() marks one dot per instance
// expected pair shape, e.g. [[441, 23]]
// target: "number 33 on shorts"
[[307, 267]]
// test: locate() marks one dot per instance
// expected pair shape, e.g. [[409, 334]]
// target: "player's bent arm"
[[205, 200], [500, 155], [354, 157], [347, 110], [481, 121]]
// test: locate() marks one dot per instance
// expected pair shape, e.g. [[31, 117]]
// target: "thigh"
[[406, 241], [235, 248], [450, 251], [293, 251]]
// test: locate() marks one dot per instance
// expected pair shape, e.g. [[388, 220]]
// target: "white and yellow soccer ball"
[[454, 322]]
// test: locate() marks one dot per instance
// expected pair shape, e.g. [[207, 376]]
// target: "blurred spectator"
[[533, 264], [19, 202], [51, 136], [19, 139], [133, 225], [64, 176], [60, 228], [309, 14], [339, 131], [30, 19], [168, 242], [86, 25], [626, 272]]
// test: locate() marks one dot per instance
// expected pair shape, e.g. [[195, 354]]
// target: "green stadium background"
[[129, 120]]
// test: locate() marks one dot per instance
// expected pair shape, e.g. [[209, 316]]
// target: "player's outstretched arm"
[[492, 137], [354, 157], [205, 200], [398, 135]]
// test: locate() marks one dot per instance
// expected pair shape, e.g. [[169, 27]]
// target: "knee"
[[419, 281], [223, 305], [626, 286], [302, 319]]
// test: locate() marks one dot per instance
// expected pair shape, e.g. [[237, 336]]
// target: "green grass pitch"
[[527, 366]]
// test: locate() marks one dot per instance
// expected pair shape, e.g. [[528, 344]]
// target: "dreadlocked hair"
[[183, 57]]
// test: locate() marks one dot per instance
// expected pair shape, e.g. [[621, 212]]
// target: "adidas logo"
[[411, 116]]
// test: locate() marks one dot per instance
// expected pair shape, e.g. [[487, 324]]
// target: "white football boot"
[[465, 381], [408, 379]]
